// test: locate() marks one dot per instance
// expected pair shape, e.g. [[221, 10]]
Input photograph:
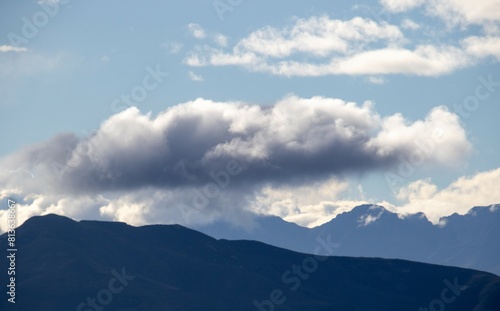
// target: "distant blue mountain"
[[469, 241]]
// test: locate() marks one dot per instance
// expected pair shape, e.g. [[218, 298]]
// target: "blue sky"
[[66, 65]]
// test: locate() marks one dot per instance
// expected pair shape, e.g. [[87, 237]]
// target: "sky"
[[192, 111]]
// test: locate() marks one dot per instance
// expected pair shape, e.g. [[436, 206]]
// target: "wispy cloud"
[[457, 12], [10, 48], [321, 46], [194, 77], [220, 39], [196, 31], [173, 47]]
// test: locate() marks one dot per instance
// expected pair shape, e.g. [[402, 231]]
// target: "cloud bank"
[[220, 158]]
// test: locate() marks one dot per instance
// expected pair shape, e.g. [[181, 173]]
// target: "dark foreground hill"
[[66, 265]]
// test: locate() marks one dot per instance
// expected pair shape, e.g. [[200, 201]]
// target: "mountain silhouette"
[[90, 265]]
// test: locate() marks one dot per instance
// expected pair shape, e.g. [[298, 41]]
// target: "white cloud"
[[483, 46], [397, 6], [308, 205], [318, 36], [480, 189], [452, 12], [196, 31], [10, 48], [465, 12], [194, 77], [425, 60], [409, 24], [440, 125], [320, 46]]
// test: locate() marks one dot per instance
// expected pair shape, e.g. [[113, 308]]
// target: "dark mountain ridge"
[[91, 265]]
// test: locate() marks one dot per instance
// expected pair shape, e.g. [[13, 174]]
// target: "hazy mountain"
[[469, 241]]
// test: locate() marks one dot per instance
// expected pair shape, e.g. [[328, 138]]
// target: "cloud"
[[220, 39], [10, 48], [136, 166], [194, 77], [425, 60], [376, 80], [320, 46], [196, 31], [479, 189], [452, 12], [409, 24], [483, 46], [308, 205], [319, 36], [397, 6]]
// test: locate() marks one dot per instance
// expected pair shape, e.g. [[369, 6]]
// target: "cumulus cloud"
[[144, 167], [480, 189]]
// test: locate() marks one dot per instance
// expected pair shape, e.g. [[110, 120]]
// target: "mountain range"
[[468, 241], [62, 264]]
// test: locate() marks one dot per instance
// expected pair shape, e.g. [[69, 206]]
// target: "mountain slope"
[[468, 241], [68, 265]]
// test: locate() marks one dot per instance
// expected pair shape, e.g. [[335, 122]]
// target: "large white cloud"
[[216, 156]]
